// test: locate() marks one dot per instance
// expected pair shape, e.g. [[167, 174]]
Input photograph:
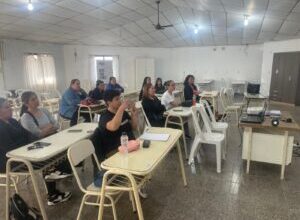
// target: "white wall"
[[233, 62], [268, 54], [13, 65]]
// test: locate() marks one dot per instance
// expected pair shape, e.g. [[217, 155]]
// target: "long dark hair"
[[186, 81], [2, 101], [156, 82], [145, 80], [25, 97]]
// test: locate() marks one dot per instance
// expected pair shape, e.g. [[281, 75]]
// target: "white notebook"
[[154, 137]]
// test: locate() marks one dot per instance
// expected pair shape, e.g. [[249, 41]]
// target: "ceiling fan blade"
[[166, 26]]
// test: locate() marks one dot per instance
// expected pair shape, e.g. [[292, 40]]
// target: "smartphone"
[[41, 144], [75, 130]]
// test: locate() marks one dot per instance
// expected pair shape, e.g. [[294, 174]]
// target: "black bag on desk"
[[19, 210]]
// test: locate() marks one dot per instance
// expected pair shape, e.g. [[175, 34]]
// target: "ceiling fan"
[[158, 26]]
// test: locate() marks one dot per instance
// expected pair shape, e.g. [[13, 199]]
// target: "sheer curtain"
[[1, 67], [115, 67], [40, 74]]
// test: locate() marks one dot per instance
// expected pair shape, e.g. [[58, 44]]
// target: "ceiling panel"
[[131, 22]]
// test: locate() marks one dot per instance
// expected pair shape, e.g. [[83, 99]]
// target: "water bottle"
[[124, 141]]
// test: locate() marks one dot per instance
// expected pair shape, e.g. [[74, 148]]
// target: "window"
[[105, 67], [40, 74]]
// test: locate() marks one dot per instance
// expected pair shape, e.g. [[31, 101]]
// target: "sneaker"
[[57, 175], [143, 194], [58, 198]]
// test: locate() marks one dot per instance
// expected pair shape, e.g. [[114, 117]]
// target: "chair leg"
[[138, 204], [237, 117], [194, 149], [15, 184], [224, 147], [218, 157], [113, 207], [81, 206], [132, 201]]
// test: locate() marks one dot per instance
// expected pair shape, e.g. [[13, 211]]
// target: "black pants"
[[74, 118], [51, 184]]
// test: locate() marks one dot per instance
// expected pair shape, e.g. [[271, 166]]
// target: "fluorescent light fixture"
[[246, 20], [30, 5]]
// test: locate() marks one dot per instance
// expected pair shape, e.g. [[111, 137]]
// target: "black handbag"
[[19, 210]]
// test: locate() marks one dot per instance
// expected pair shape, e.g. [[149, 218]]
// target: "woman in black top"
[[147, 80], [190, 89], [159, 87], [152, 106], [98, 92], [12, 136]]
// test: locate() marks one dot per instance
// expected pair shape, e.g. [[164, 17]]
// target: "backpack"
[[19, 210]]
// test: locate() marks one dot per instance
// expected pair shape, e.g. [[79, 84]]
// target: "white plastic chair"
[[205, 138], [228, 109], [230, 98], [214, 125], [78, 153]]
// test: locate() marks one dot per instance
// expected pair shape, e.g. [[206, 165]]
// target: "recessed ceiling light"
[[246, 20], [30, 5], [196, 30]]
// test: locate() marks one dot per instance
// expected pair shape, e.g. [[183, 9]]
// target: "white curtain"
[[1, 67], [40, 74]]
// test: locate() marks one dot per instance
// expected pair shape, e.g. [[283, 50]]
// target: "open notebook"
[[154, 137]]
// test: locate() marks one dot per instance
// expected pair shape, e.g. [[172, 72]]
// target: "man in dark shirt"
[[98, 92], [12, 136], [113, 122]]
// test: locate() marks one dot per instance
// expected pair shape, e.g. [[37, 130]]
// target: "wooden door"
[[277, 77]]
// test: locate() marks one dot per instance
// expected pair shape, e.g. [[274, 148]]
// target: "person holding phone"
[[113, 122], [13, 136]]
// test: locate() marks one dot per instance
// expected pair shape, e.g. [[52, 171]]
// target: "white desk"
[[60, 142], [182, 114], [91, 109], [266, 143], [238, 86], [207, 83], [145, 160]]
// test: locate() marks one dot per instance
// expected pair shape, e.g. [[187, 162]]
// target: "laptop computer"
[[254, 118]]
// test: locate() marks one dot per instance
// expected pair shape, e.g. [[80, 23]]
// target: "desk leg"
[[181, 164], [284, 153], [249, 131], [34, 183], [183, 136]]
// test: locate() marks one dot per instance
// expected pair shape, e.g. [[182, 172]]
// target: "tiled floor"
[[229, 195]]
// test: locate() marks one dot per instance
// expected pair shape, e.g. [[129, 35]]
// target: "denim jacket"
[[69, 103]]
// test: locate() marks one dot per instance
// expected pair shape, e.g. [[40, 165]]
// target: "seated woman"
[[159, 87], [147, 80], [98, 92], [152, 106], [68, 107], [190, 90], [113, 122], [13, 135], [168, 98], [37, 121], [113, 85]]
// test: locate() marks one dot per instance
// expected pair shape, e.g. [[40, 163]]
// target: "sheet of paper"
[[154, 137]]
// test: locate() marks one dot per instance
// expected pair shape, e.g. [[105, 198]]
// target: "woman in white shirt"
[[168, 98], [36, 120]]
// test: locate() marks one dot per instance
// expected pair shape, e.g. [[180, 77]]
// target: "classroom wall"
[[13, 66], [268, 53], [230, 62]]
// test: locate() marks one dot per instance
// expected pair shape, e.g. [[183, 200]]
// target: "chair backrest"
[[223, 98], [143, 119], [77, 153], [205, 118], [208, 109], [63, 123], [229, 93], [197, 120]]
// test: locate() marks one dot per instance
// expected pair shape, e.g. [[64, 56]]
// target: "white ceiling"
[[130, 22]]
